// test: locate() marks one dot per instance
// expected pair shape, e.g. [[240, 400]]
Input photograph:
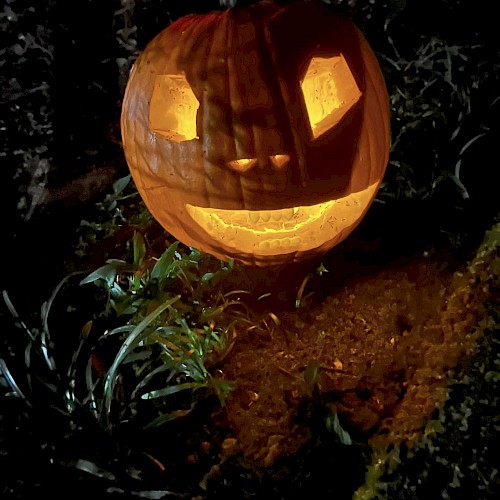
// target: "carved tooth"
[[285, 242], [288, 213], [295, 241], [277, 215], [253, 216], [265, 244], [265, 216]]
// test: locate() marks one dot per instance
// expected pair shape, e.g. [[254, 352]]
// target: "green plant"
[[178, 322], [172, 321]]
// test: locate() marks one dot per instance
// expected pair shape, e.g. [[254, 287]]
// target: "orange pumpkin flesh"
[[250, 143]]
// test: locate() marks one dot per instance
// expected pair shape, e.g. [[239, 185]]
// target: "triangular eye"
[[329, 91], [173, 108], [242, 165]]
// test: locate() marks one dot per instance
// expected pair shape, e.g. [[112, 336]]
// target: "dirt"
[[378, 350]]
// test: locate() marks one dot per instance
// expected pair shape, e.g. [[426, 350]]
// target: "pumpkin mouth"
[[286, 230]]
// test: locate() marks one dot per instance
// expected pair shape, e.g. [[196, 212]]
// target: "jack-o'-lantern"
[[259, 133]]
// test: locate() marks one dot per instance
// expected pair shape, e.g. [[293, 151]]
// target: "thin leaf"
[[222, 388], [321, 269], [172, 389], [4, 370], [130, 342], [147, 378], [139, 246], [301, 291], [163, 266], [121, 184], [91, 385], [92, 468], [469, 143], [148, 494], [15, 315], [106, 273], [118, 330], [119, 264], [275, 318], [311, 374], [333, 425], [46, 306], [133, 357], [167, 417]]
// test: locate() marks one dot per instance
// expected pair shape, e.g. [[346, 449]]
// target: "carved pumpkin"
[[258, 133]]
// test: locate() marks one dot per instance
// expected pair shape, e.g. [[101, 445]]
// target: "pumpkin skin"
[[246, 172]]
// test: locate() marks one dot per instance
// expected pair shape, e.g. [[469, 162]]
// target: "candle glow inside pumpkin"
[[249, 144]]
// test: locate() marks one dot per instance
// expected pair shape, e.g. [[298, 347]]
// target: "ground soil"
[[377, 349]]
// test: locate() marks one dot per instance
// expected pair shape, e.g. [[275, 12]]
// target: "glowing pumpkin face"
[[258, 133]]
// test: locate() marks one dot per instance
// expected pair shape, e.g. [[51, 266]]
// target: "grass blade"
[[130, 343], [4, 370], [172, 389]]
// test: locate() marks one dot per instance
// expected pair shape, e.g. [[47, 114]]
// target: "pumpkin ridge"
[[279, 108], [256, 131], [285, 98], [233, 97], [216, 41]]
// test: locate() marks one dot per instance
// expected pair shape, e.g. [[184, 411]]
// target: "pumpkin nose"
[[274, 161], [280, 161]]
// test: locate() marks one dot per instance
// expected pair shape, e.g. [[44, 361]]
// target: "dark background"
[[63, 70]]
